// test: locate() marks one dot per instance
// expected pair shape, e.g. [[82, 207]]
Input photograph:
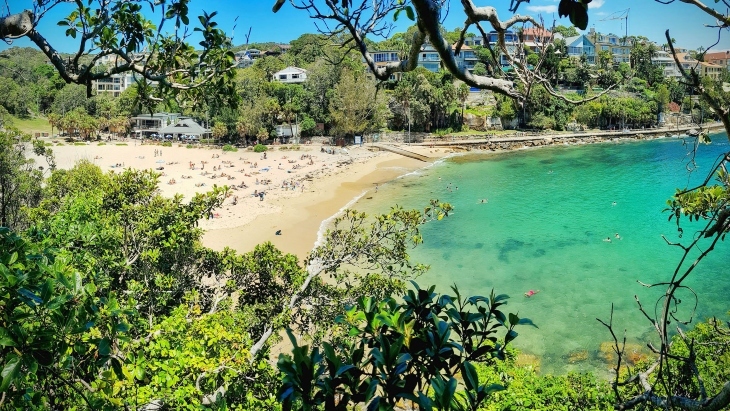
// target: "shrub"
[[167, 144], [122, 144], [259, 148], [60, 144], [442, 132], [47, 144], [527, 389], [78, 143], [230, 148], [295, 147], [101, 144], [189, 146]]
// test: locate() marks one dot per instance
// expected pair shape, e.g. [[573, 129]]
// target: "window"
[[393, 56], [282, 76], [293, 76], [604, 47]]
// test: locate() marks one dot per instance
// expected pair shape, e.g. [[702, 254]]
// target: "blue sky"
[[646, 17]]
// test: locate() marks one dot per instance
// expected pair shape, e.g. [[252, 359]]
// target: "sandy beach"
[[301, 187]]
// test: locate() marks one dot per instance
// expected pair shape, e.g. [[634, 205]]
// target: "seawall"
[[494, 143]]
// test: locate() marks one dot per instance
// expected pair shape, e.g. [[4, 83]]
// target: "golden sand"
[[318, 188]]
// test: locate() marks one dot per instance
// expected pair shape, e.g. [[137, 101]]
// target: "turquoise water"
[[543, 227]]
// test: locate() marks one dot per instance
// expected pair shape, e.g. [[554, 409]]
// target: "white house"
[[114, 84], [666, 62], [291, 75]]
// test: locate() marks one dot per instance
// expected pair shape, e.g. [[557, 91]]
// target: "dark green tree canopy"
[[115, 37]]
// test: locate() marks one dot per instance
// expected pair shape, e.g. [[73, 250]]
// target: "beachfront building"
[[580, 46], [114, 84], [721, 58], [620, 47], [429, 58], [290, 74], [713, 71], [665, 60], [687, 61], [244, 59], [511, 43], [535, 38], [383, 57], [466, 59], [473, 41], [184, 129], [146, 126]]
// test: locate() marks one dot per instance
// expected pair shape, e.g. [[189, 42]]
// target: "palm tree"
[[54, 120]]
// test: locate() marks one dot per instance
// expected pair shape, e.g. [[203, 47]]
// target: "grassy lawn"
[[32, 125]]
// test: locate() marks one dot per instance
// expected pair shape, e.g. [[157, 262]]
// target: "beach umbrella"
[[160, 161]]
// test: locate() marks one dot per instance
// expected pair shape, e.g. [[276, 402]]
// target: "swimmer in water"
[[618, 236], [531, 293], [607, 239], [613, 204]]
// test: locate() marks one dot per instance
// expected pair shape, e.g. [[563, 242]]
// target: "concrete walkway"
[[397, 150], [452, 141]]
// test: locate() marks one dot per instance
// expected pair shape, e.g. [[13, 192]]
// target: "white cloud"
[[595, 4], [543, 9]]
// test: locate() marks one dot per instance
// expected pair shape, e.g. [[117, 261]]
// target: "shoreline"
[[331, 184], [302, 218]]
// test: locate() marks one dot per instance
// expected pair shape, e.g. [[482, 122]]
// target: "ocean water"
[[543, 227]]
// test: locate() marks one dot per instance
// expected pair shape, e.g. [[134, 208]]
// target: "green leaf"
[[117, 367], [410, 14], [104, 347], [579, 16], [13, 258], [469, 372], [44, 358], [492, 388], [29, 297], [565, 7], [9, 373], [6, 340], [511, 335]]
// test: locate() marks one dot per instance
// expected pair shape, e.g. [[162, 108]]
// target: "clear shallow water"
[[544, 230]]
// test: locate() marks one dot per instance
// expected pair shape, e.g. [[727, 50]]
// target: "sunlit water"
[[543, 228]]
